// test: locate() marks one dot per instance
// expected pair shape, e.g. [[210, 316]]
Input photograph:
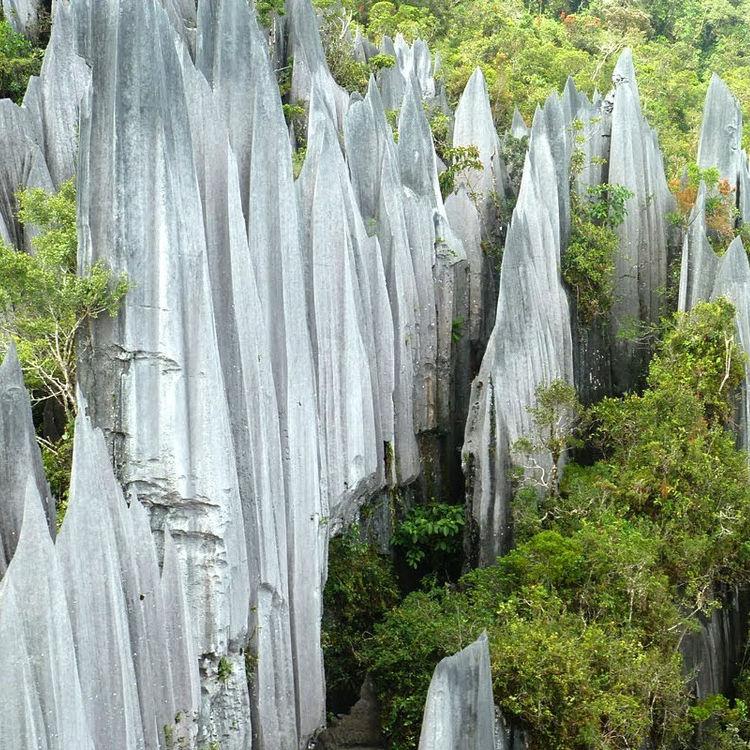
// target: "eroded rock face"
[[99, 583], [23, 15], [531, 343], [459, 713], [641, 267], [20, 460], [720, 141]]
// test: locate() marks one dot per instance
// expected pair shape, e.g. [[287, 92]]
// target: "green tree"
[[19, 60], [45, 306]]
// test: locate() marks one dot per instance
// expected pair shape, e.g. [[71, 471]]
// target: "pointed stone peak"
[[10, 369], [624, 71], [34, 529], [720, 144]]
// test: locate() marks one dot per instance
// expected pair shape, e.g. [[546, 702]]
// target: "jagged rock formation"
[[459, 713], [531, 342], [20, 460], [537, 336], [286, 353], [23, 15], [99, 583], [641, 266]]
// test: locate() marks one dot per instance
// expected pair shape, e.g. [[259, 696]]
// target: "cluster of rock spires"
[[287, 351]]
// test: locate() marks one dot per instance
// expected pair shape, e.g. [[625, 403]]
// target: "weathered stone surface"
[[306, 49], [531, 342], [345, 390], [373, 164], [699, 263], [20, 459], [22, 165], [55, 97], [23, 15], [33, 593], [721, 133], [459, 712], [641, 266], [154, 379], [244, 348]]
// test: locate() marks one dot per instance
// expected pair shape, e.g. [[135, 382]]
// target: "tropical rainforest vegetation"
[[648, 527]]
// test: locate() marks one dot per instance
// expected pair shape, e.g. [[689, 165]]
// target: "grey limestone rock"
[[721, 132], [345, 388], [699, 263], [23, 15], [20, 459], [373, 163], [41, 659], [531, 343], [459, 712], [641, 265], [55, 97]]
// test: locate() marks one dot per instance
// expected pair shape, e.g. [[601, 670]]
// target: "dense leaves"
[[19, 60], [586, 613]]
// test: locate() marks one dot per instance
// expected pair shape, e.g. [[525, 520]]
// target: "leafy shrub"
[[586, 614], [431, 534], [720, 210], [45, 306], [457, 159], [360, 589], [19, 60], [588, 263]]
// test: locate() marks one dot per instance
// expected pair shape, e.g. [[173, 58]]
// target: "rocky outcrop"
[[641, 267], [459, 713], [24, 15], [531, 343], [20, 460], [100, 582]]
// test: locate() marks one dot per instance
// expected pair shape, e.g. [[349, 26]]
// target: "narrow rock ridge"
[[20, 460], [459, 712], [99, 583], [531, 343], [641, 267]]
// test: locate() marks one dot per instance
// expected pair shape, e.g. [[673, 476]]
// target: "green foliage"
[[19, 60], [379, 62], [45, 307], [526, 49], [360, 589], [457, 159], [431, 532], [224, 669], [585, 615], [44, 304], [721, 212], [588, 263], [57, 458], [267, 9], [513, 152], [457, 330], [393, 18]]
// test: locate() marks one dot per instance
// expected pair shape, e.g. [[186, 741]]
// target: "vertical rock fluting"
[[531, 342], [459, 712], [154, 377], [20, 460], [641, 266], [100, 583]]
